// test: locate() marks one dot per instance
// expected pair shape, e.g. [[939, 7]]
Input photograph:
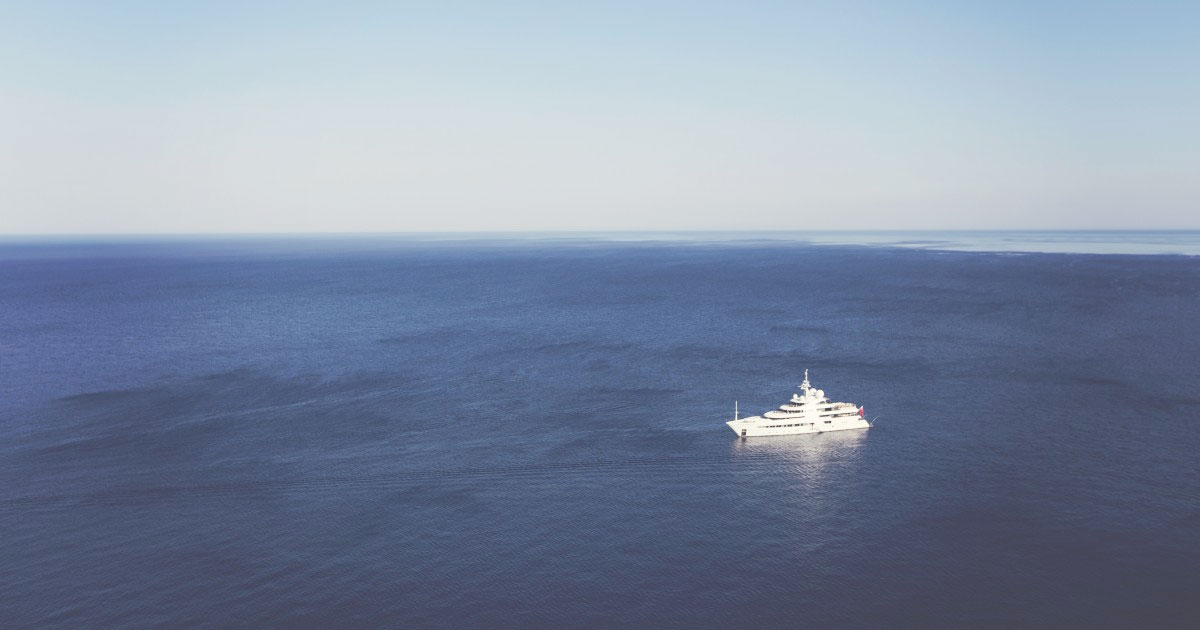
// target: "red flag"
[[860, 412]]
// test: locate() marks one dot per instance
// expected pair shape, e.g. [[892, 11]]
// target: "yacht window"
[[828, 421]]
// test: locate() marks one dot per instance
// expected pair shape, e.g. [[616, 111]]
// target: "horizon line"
[[787, 231]]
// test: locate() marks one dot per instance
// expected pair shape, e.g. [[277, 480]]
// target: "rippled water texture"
[[410, 433]]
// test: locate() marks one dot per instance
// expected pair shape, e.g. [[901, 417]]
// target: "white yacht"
[[807, 412]]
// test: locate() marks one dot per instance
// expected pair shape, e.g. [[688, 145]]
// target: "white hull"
[[755, 427]]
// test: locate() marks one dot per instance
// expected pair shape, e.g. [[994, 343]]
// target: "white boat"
[[807, 412]]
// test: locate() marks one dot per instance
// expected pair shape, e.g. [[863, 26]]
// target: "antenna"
[[735, 410]]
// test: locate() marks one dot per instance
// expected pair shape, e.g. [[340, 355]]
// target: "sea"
[[527, 431]]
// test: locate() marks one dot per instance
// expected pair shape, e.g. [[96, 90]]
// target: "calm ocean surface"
[[528, 433]]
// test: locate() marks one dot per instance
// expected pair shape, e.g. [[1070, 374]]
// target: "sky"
[[236, 117]]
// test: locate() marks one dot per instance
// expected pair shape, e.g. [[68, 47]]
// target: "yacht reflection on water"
[[811, 459]]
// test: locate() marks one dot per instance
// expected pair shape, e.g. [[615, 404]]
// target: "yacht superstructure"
[[807, 412]]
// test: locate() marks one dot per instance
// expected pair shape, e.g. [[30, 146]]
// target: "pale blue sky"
[[381, 116]]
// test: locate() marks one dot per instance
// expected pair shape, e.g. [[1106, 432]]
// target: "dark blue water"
[[375, 432]]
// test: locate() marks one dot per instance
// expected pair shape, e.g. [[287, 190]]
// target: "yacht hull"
[[752, 427]]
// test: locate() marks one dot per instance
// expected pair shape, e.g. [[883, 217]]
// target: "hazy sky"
[[390, 116]]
